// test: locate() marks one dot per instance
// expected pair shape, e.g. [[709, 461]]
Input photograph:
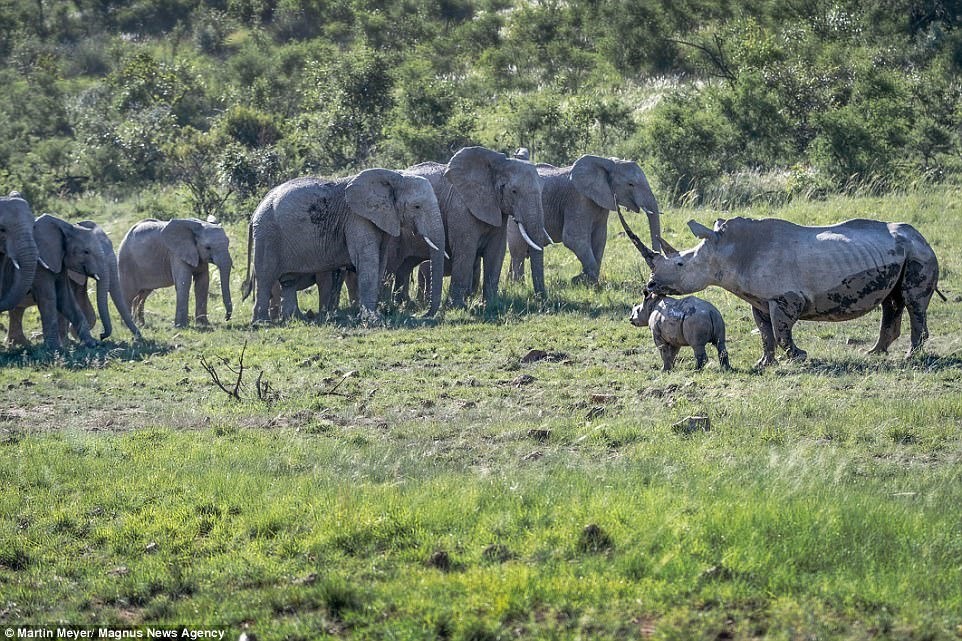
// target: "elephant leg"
[[83, 302], [537, 273], [182, 280], [201, 291], [891, 325], [784, 313], [68, 307], [764, 324], [493, 256], [581, 247], [289, 307], [350, 279], [599, 238], [462, 271], [15, 335], [45, 293], [519, 251], [266, 292]]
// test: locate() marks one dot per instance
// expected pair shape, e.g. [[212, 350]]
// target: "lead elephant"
[[18, 250], [156, 254], [577, 200], [62, 247], [479, 191], [310, 225]]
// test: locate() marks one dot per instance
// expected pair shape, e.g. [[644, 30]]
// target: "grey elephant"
[[109, 283], [479, 191], [62, 247], [675, 323], [310, 225], [18, 250], [177, 252], [577, 201]]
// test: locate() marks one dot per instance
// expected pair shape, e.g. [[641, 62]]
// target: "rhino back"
[[838, 269]]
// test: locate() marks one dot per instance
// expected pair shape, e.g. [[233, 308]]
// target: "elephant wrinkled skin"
[[156, 254], [577, 201], [310, 226], [18, 250]]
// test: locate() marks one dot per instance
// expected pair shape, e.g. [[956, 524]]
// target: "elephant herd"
[[457, 219], [46, 262]]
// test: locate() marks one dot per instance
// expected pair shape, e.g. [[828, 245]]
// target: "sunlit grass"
[[417, 480]]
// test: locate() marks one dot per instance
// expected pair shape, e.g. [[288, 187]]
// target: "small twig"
[[333, 391]]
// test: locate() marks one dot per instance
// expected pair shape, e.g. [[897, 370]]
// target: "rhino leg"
[[701, 356], [764, 324], [668, 355], [917, 288], [891, 325], [784, 313], [723, 355]]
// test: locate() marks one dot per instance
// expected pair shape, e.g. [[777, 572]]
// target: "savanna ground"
[[417, 480]]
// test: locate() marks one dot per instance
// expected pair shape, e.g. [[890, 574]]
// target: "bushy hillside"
[[724, 101]]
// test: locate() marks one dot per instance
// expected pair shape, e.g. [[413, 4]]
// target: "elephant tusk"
[[45, 265], [527, 238], [434, 247], [548, 236], [95, 277], [16, 265]]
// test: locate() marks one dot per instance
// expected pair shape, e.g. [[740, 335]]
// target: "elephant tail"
[[248, 285]]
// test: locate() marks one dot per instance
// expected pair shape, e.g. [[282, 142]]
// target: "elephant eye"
[[680, 263], [417, 206], [631, 184]]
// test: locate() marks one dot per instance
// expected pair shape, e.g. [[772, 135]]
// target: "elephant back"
[[306, 203]]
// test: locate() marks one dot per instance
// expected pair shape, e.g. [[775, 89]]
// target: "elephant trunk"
[[649, 205], [432, 230], [103, 288], [530, 219], [224, 266], [22, 251], [116, 294]]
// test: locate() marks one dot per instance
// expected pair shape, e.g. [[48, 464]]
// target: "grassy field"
[[419, 481]]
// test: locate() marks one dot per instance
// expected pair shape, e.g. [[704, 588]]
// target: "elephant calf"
[[675, 323], [156, 254]]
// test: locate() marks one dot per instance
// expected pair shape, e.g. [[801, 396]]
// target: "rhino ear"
[[700, 231], [372, 195], [591, 176]]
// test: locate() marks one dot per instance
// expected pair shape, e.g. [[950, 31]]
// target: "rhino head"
[[684, 272]]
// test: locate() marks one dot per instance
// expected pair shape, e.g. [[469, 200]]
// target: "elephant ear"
[[472, 171], [179, 236], [591, 176], [51, 243], [372, 194]]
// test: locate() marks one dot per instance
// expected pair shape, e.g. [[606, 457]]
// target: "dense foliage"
[[717, 100]]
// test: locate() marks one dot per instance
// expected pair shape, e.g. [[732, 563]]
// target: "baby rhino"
[[676, 323]]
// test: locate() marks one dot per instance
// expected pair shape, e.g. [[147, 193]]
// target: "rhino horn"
[[700, 231], [646, 253], [666, 249]]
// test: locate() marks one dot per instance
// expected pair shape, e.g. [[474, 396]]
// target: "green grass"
[[408, 481]]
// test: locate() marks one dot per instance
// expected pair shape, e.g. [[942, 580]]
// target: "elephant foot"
[[202, 321], [881, 351]]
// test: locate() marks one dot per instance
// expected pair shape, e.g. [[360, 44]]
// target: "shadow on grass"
[[869, 364], [75, 356]]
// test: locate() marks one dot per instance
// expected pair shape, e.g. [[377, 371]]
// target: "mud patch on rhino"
[[857, 294]]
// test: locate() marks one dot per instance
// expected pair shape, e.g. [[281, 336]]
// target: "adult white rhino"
[[789, 272]]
